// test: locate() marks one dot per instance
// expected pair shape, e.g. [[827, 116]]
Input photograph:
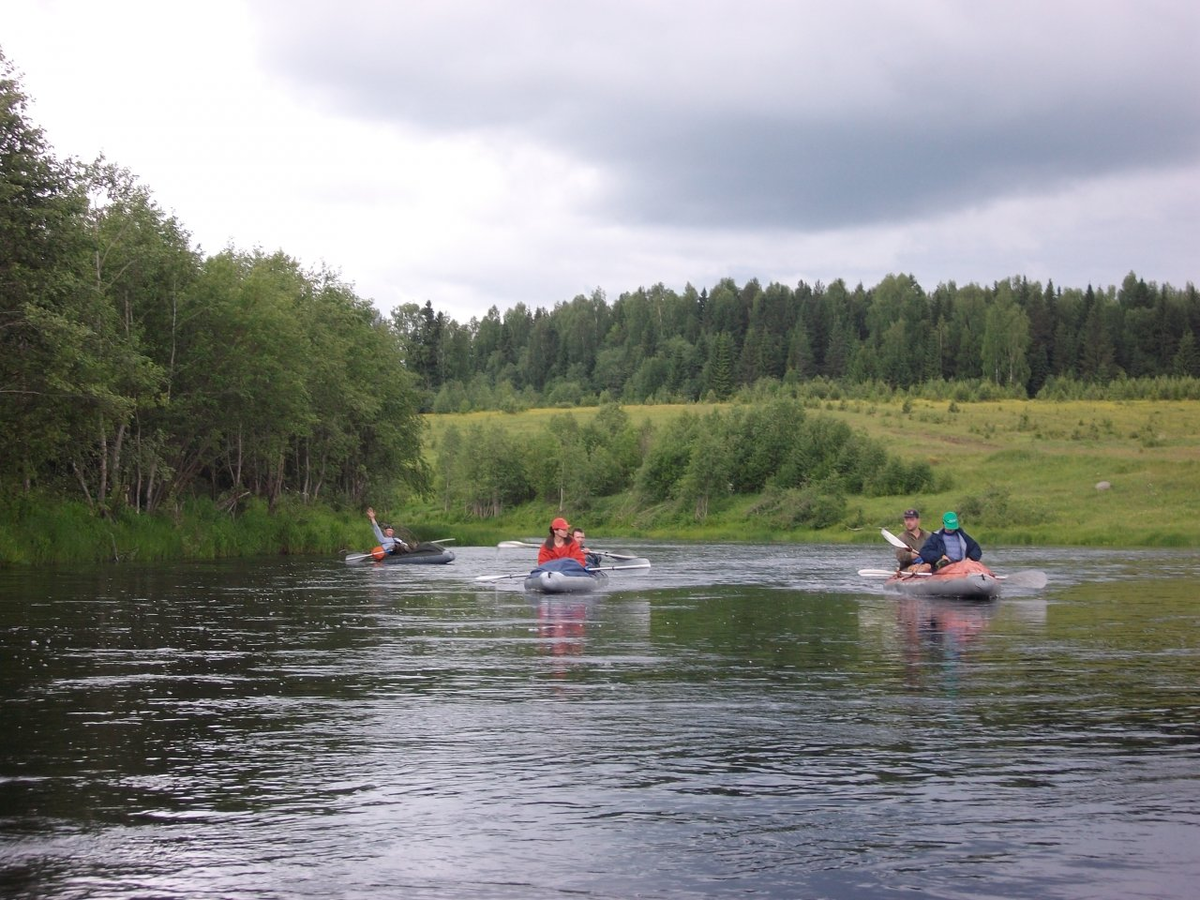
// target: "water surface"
[[738, 721]]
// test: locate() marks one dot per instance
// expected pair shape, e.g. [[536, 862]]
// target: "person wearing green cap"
[[946, 545]]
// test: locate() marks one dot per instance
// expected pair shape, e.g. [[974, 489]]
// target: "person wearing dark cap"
[[913, 535], [946, 545], [560, 544], [386, 535]]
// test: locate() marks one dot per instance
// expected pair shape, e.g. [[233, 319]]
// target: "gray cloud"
[[775, 114]]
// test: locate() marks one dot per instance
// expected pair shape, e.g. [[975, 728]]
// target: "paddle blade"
[[893, 540], [500, 577], [514, 545]]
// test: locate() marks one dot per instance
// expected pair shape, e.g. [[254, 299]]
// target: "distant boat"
[[426, 553]]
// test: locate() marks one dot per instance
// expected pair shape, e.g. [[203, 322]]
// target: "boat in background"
[[967, 579], [425, 553]]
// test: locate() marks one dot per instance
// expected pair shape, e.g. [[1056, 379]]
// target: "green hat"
[[950, 521]]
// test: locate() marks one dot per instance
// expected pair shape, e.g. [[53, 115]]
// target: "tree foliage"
[[135, 372], [657, 345]]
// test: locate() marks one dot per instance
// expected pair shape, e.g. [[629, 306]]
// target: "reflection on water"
[[776, 727]]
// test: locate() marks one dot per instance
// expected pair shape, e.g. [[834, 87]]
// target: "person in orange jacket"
[[560, 545]]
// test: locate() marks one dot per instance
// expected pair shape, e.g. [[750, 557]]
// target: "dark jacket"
[[935, 548]]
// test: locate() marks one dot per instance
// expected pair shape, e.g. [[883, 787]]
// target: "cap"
[[559, 523], [911, 514], [950, 521]]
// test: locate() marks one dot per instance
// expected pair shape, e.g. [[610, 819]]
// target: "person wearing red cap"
[[560, 545]]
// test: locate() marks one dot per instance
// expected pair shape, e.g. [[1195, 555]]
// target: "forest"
[[656, 345], [137, 372]]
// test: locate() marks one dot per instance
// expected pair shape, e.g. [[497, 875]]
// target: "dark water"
[[715, 727]]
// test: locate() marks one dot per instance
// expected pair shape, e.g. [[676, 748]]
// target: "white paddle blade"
[[514, 545], [893, 540]]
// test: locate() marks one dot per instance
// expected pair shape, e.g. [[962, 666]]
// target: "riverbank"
[[1096, 474]]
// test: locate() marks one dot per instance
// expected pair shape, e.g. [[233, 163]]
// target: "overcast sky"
[[485, 153]]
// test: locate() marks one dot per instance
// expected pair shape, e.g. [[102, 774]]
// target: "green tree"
[[707, 477], [1006, 342], [1187, 359], [42, 245], [718, 373]]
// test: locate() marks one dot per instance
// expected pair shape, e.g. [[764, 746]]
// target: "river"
[[734, 722]]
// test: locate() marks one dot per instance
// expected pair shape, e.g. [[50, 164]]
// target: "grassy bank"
[[1019, 472]]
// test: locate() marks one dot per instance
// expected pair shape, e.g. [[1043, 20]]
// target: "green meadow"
[[1019, 472]]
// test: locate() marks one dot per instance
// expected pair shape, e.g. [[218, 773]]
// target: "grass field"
[[1020, 472]]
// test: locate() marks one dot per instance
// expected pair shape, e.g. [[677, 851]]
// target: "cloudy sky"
[[485, 153]]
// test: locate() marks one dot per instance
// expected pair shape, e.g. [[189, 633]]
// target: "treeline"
[[802, 468], [134, 371], [659, 346]]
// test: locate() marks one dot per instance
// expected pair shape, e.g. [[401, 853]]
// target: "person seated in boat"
[[578, 535], [947, 545], [913, 535], [560, 544], [386, 535]]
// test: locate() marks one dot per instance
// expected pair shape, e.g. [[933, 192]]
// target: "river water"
[[735, 722]]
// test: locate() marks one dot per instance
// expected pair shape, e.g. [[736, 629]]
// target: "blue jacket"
[[935, 548]]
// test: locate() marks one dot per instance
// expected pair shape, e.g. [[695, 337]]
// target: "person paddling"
[[386, 536], [560, 544], [947, 545], [578, 535], [913, 535]]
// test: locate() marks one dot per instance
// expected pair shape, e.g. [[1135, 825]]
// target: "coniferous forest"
[[136, 371]]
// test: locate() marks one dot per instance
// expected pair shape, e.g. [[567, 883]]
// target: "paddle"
[[513, 545], [642, 564], [1031, 578]]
